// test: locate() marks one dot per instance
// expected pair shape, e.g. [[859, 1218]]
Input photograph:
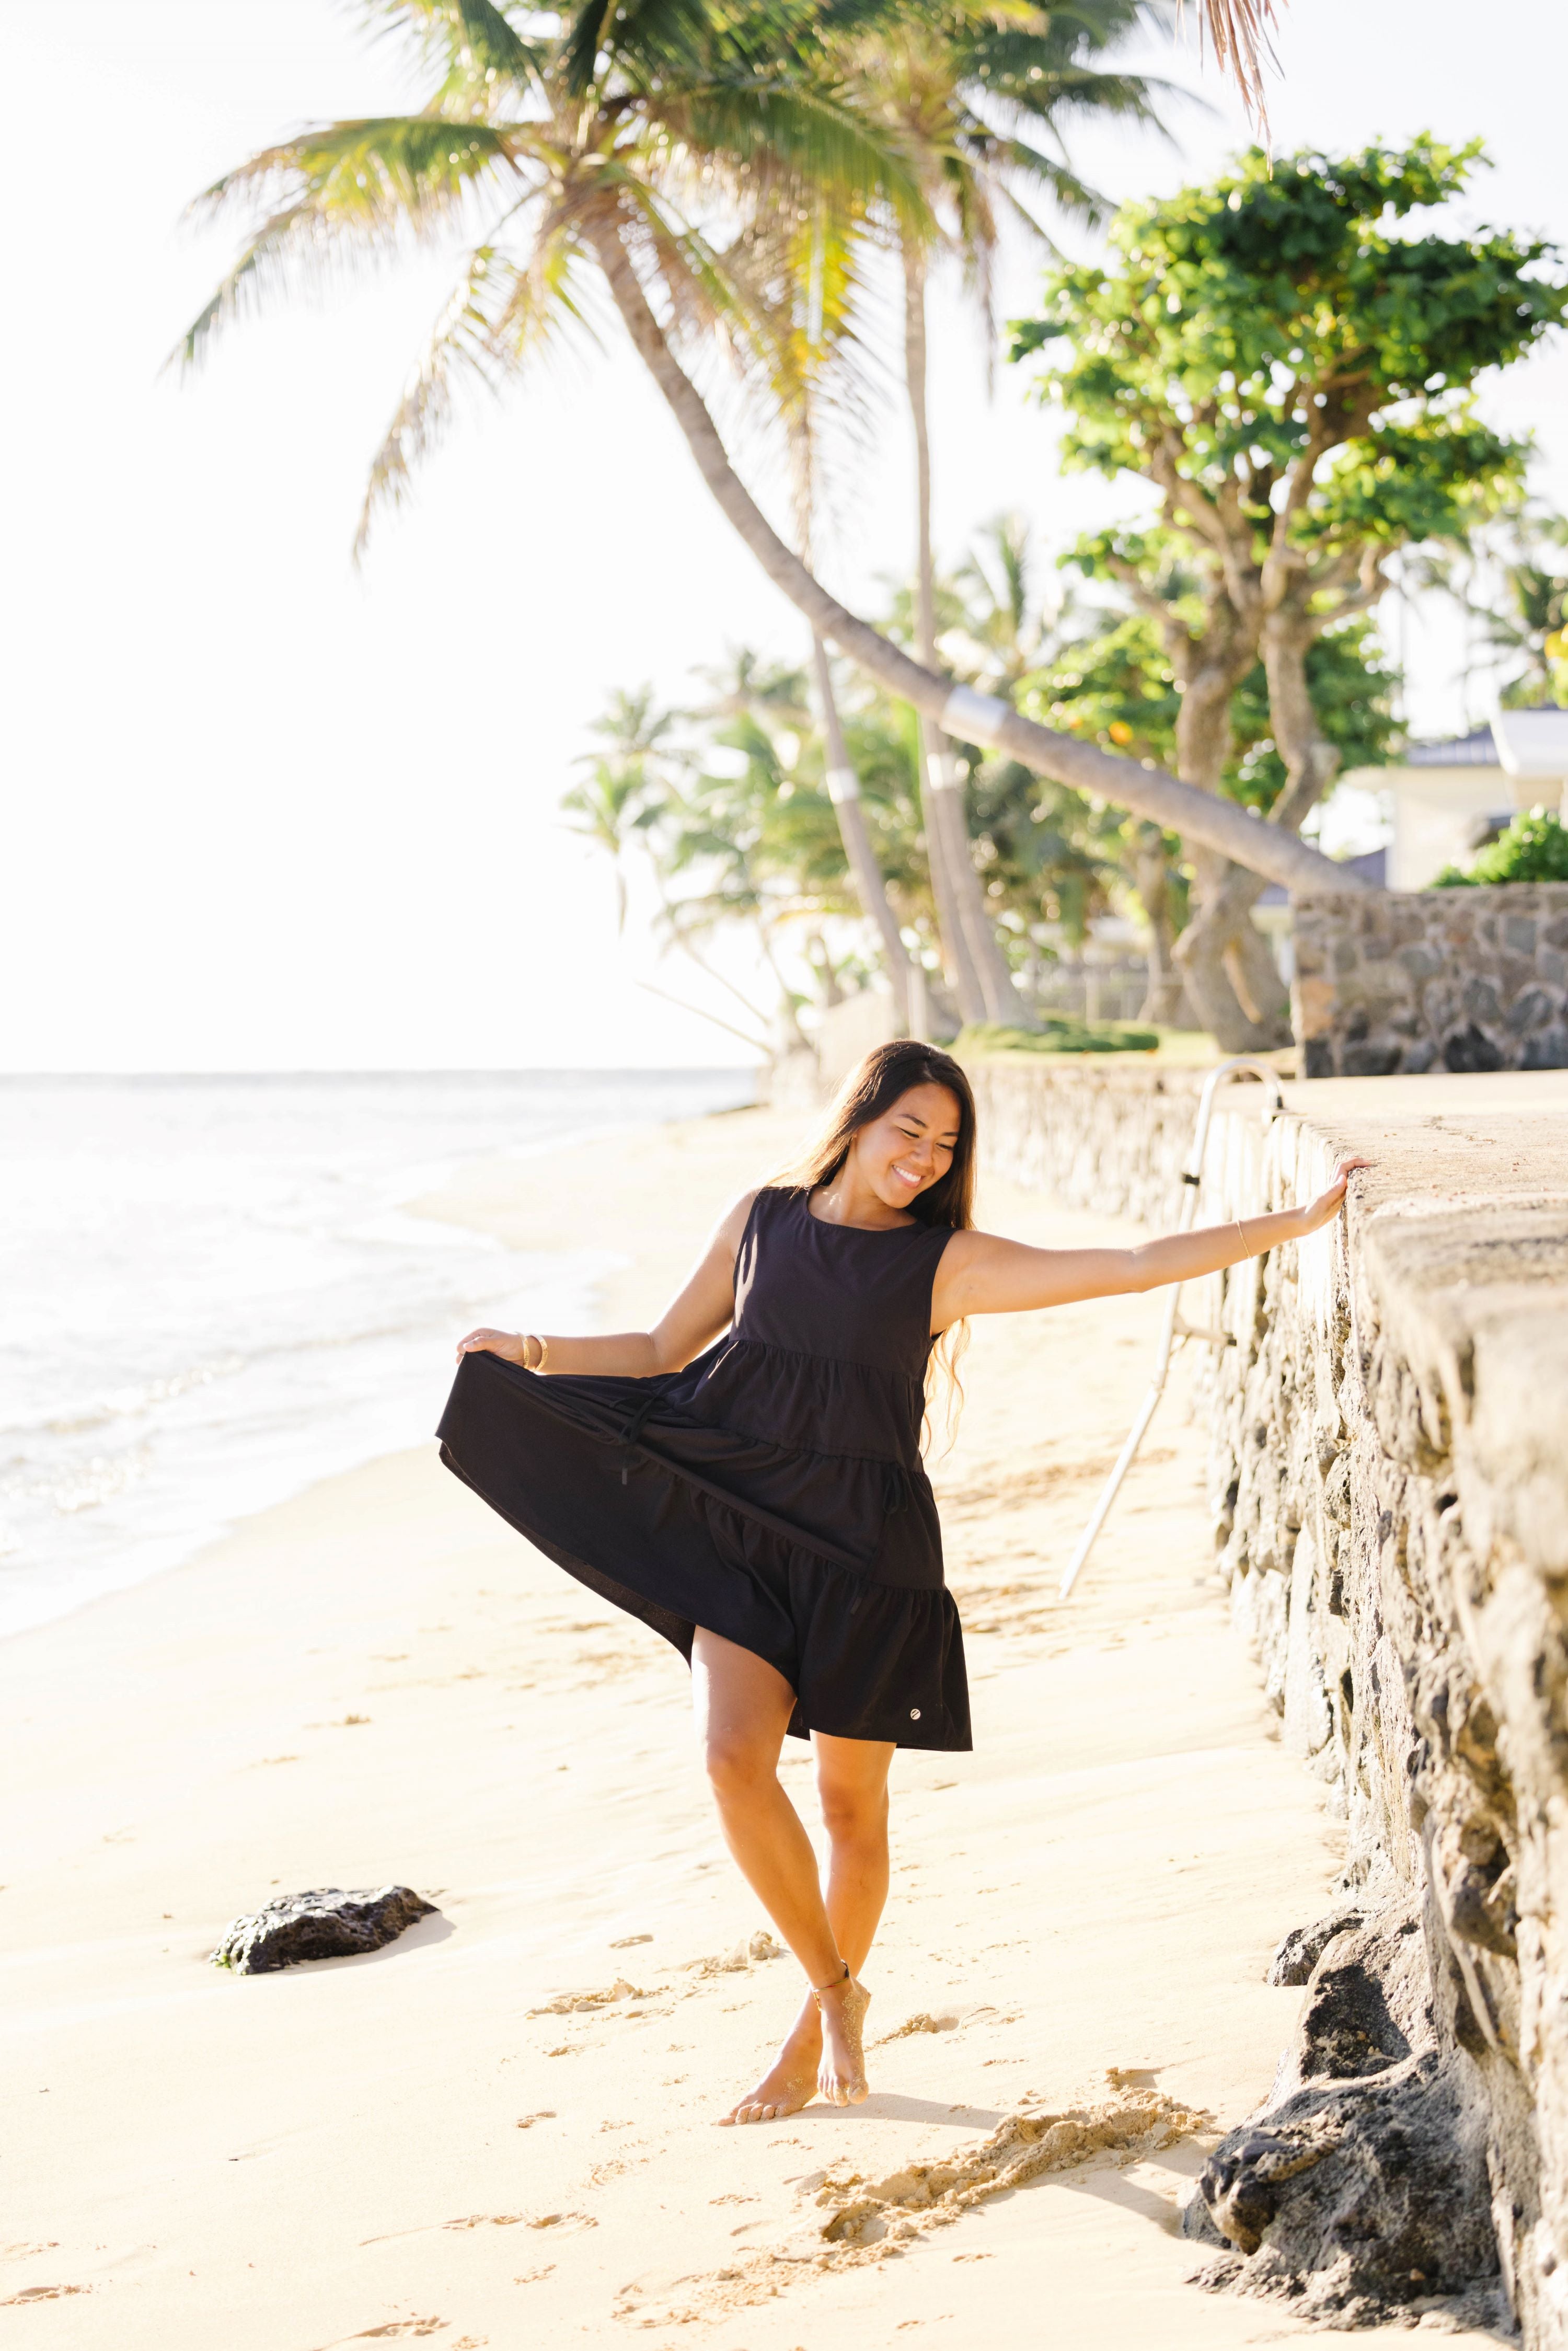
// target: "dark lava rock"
[[1359, 2195], [1303, 1947], [326, 1925], [1356, 2199]]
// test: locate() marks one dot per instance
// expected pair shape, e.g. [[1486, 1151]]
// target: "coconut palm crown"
[[676, 141]]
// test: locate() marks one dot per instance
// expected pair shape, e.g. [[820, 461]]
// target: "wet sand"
[[501, 2129]]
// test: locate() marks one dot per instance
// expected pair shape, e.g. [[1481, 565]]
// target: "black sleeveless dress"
[[772, 1491]]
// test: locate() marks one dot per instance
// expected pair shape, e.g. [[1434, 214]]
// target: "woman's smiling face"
[[910, 1147]]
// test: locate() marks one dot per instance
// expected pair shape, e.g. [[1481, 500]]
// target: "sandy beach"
[[501, 2129]]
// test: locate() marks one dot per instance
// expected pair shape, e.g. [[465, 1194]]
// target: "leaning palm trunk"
[[845, 790], [983, 719], [979, 971]]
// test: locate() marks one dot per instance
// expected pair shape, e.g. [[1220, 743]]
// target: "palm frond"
[[582, 43], [472, 37], [647, 42], [773, 132], [460, 346], [384, 172], [1021, 161], [503, 313], [355, 188], [1240, 32]]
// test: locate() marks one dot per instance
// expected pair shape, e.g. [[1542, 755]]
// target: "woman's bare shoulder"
[[730, 1230]]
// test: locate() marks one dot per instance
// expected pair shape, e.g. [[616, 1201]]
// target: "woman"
[[747, 1479]]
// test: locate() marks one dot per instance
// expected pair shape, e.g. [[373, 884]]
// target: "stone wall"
[[1390, 982], [1390, 1490], [1099, 1132]]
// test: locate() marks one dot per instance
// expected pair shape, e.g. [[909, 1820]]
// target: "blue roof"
[[1474, 750]]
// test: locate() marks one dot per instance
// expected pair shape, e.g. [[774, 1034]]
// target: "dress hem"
[[679, 1631]]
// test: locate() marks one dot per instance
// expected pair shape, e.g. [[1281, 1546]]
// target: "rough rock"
[[1303, 1947], [325, 1925], [1360, 2191], [1352, 2202]]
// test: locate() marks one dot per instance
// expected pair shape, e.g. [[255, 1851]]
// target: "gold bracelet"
[[543, 1347], [1242, 1239]]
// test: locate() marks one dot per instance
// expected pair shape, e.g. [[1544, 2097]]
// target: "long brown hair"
[[887, 1073]]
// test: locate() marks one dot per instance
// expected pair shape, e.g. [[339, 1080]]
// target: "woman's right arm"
[[703, 1308]]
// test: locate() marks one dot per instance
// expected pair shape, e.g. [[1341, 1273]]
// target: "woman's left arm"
[[980, 1273]]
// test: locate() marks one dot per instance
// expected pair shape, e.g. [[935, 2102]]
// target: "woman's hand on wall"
[[1327, 1206]]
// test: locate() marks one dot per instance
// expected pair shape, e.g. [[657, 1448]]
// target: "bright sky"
[[263, 812]]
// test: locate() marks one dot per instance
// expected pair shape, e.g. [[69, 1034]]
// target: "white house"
[[1448, 797]]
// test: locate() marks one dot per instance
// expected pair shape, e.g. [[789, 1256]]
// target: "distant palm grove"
[[941, 798]]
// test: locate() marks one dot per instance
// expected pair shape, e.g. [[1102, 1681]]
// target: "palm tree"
[[606, 806], [810, 269], [602, 150], [964, 83]]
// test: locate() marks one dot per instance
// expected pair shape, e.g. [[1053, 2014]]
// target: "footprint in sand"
[[545, 2114], [568, 2003], [1022, 2147], [921, 2021], [566, 2221], [41, 2293], [394, 2327], [747, 1953]]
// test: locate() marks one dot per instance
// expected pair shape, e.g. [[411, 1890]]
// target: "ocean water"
[[211, 1290]]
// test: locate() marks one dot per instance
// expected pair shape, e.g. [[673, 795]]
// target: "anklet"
[[818, 1989]]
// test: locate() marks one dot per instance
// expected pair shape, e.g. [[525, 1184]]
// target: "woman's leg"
[[852, 1787], [743, 1709]]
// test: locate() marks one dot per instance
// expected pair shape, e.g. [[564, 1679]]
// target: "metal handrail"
[[1177, 1330]]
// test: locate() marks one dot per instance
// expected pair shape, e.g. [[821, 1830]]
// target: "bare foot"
[[791, 2082], [840, 2077]]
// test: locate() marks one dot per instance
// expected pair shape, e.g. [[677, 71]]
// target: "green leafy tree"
[[1118, 686], [1533, 848], [1290, 367]]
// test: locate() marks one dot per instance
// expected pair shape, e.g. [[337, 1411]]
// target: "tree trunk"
[[845, 790], [982, 718], [980, 971], [937, 769], [1310, 763], [1231, 997], [1165, 999]]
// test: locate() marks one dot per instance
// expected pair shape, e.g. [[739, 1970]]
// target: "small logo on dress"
[[914, 1714]]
